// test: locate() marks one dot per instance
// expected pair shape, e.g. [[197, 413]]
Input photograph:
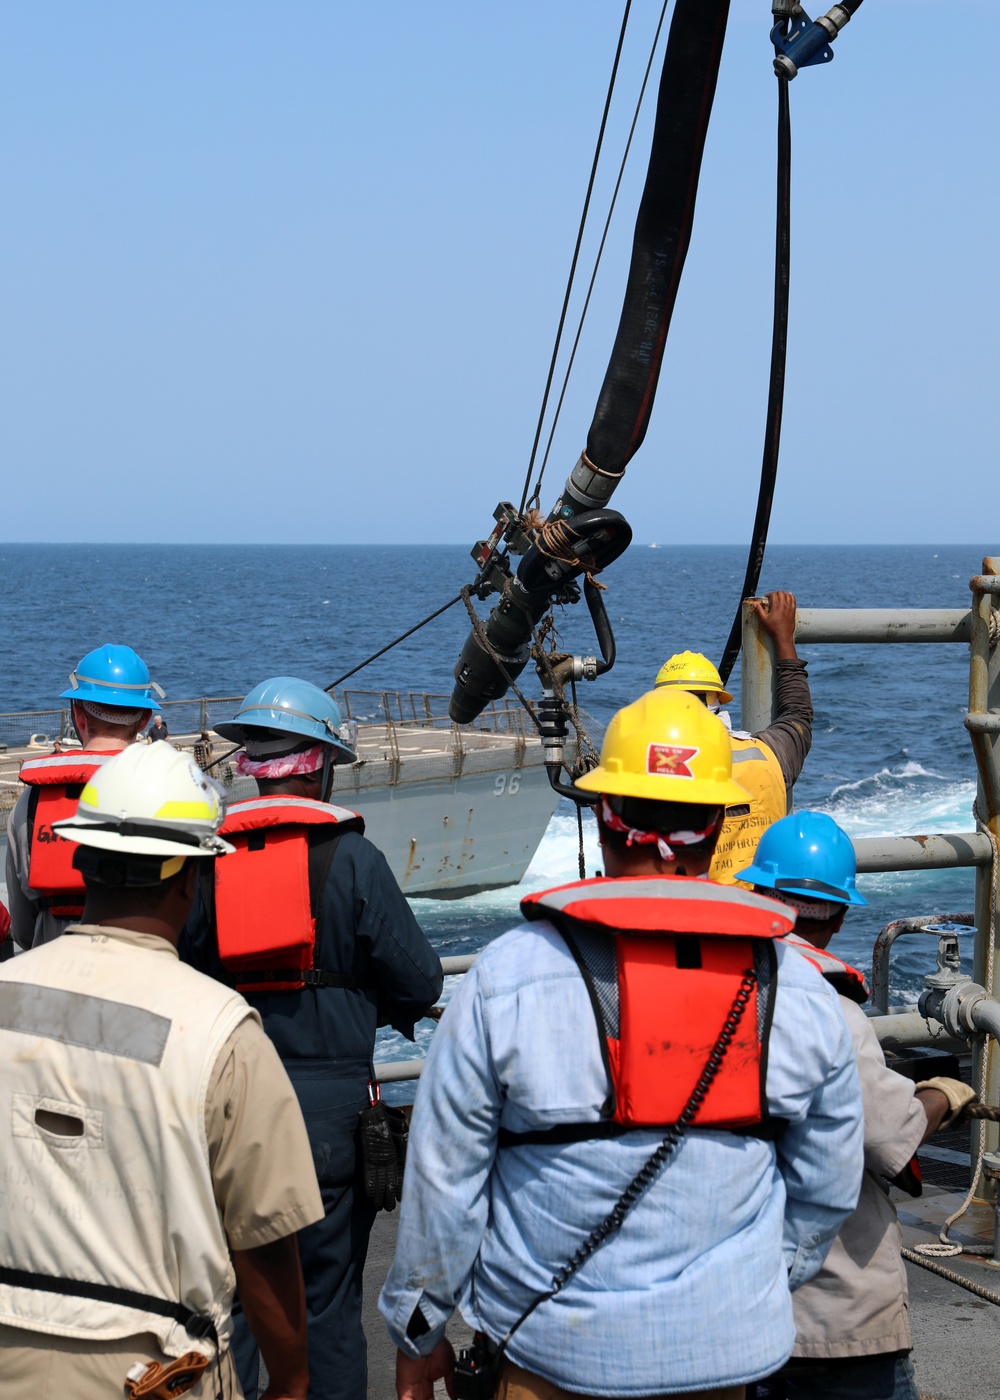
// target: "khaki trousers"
[[518, 1384], [39, 1366]]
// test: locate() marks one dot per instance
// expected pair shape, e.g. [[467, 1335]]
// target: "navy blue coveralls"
[[325, 1037]]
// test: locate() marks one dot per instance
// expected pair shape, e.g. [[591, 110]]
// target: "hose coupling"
[[800, 42], [553, 726], [956, 1008], [835, 19]]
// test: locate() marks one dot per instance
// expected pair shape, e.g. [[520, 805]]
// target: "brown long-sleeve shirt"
[[789, 737]]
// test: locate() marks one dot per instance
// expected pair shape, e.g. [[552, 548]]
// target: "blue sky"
[[292, 272]]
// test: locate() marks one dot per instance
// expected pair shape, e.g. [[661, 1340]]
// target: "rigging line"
[[374, 657], [221, 759], [491, 651], [776, 390], [576, 255], [600, 250], [950, 1275]]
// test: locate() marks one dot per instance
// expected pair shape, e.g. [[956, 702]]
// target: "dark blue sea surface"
[[890, 754]]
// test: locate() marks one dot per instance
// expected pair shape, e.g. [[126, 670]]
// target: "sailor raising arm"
[[766, 764]]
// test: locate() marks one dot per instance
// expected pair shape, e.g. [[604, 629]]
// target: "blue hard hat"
[[113, 675], [293, 706], [806, 854]]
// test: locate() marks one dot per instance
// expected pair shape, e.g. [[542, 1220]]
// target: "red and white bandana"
[[663, 843], [305, 761]]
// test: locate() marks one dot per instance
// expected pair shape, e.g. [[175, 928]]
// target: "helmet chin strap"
[[326, 782]]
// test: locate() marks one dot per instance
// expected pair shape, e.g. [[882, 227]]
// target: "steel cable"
[[776, 390], [576, 255], [395, 643], [536, 494]]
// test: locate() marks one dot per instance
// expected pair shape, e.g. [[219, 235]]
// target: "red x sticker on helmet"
[[669, 760]]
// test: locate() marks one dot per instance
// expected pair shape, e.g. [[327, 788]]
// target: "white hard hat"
[[149, 800]]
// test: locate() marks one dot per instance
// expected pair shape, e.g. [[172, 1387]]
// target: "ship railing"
[[392, 728], [43, 727], [425, 710], [401, 709], [40, 726]]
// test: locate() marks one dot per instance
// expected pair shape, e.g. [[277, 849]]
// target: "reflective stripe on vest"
[[847, 980], [56, 782], [663, 958], [756, 768], [265, 912], [113, 1230]]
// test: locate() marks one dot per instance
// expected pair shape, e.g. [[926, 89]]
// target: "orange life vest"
[[265, 904], [55, 783], [663, 958], [844, 978]]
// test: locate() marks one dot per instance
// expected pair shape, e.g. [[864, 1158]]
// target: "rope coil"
[[555, 541]]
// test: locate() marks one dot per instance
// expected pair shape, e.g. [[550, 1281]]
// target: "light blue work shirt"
[[693, 1293]]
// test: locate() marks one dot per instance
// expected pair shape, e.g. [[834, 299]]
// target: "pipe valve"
[[949, 972]]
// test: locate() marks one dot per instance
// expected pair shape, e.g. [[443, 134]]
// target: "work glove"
[[383, 1177], [959, 1097], [399, 1128]]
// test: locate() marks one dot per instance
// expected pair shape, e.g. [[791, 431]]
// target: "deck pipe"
[[965, 1010]]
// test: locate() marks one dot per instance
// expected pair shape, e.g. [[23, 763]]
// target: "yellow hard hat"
[[689, 670], [667, 746]]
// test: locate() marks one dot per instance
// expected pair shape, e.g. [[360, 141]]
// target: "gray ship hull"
[[450, 837]]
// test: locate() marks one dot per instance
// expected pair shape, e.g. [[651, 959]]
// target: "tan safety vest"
[[107, 1051], [756, 768]]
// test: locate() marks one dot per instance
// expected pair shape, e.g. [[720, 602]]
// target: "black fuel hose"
[[776, 391], [662, 230], [662, 234], [602, 626]]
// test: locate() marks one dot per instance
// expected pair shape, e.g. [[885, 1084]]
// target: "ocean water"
[[889, 756]]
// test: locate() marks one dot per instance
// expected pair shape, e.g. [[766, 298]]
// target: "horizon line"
[[463, 544]]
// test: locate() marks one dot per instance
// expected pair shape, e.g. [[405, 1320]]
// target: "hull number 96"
[[502, 784]]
